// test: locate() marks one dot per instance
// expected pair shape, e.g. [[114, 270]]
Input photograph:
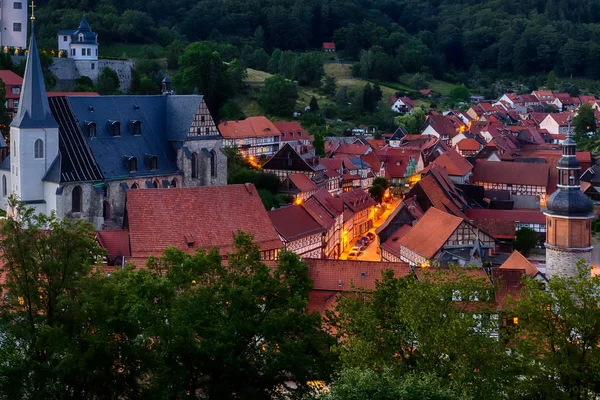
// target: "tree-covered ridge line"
[[436, 36]]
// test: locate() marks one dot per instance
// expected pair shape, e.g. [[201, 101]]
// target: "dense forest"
[[438, 37]]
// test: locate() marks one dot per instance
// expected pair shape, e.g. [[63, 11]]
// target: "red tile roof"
[[357, 200], [294, 222], [528, 216], [469, 144], [350, 275], [248, 128], [508, 285], [319, 213], [302, 182], [518, 261], [453, 163], [116, 243], [496, 228], [425, 92], [199, 217], [333, 205], [391, 244], [441, 124], [329, 45], [356, 149], [10, 78], [430, 233], [511, 173]]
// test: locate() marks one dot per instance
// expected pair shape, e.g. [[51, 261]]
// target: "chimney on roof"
[[340, 283], [166, 86]]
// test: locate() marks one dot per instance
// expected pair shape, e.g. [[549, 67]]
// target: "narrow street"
[[371, 253]]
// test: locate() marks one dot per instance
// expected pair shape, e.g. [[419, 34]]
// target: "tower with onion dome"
[[568, 218]]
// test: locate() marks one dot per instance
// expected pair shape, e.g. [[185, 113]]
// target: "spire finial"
[[32, 11]]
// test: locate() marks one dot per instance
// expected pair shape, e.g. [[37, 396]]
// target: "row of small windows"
[[213, 165], [86, 51], [115, 128], [77, 193], [132, 163]]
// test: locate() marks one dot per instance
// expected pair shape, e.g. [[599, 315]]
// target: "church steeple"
[[34, 111], [568, 218]]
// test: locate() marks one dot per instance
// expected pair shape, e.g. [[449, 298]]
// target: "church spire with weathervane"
[[34, 110]]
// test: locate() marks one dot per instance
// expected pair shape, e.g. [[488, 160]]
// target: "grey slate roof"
[[111, 152], [34, 111], [75, 162], [5, 165], [89, 37], [66, 31], [180, 112]]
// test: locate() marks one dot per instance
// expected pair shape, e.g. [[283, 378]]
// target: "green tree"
[[459, 94], [108, 82], [412, 122], [557, 335], [526, 239], [308, 69], [551, 83], [239, 329], [319, 144], [358, 384], [173, 52], [287, 61], [231, 111], [202, 68], [368, 98], [377, 93], [584, 122], [64, 334], [278, 96], [329, 85], [410, 326], [381, 181], [314, 105], [273, 66], [377, 192]]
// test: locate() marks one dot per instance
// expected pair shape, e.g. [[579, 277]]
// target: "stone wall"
[[563, 263], [68, 70]]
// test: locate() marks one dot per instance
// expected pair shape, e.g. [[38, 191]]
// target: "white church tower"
[[33, 136]]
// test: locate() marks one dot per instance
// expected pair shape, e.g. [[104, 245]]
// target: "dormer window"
[[115, 128], [153, 163], [91, 129], [81, 37], [132, 164], [137, 128]]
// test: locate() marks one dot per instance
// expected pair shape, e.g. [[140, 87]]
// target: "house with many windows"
[[519, 178], [298, 231], [13, 15], [253, 136]]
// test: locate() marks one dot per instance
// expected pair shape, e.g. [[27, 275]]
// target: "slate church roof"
[[34, 111], [164, 121]]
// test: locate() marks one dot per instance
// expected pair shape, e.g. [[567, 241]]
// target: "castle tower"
[[80, 44], [568, 218], [33, 134]]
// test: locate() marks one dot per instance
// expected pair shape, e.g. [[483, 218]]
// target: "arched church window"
[[213, 164], [156, 184], [76, 199], [38, 148], [174, 183], [135, 186], [194, 165]]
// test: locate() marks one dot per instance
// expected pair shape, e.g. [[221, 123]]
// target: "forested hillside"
[[516, 37]]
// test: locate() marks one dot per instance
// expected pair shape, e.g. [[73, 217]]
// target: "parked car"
[[371, 236], [366, 239], [354, 253], [360, 244]]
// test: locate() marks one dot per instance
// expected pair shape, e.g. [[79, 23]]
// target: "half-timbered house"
[[298, 231], [288, 161], [521, 179], [438, 234]]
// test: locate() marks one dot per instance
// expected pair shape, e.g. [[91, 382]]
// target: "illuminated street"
[[371, 253]]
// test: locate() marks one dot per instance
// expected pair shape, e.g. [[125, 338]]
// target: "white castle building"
[[79, 44], [13, 23]]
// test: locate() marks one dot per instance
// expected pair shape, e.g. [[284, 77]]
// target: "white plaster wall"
[[26, 171], [10, 15], [64, 45]]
